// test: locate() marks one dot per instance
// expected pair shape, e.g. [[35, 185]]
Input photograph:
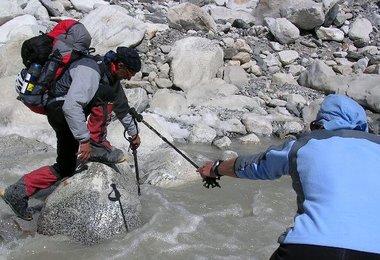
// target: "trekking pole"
[[134, 152], [117, 198], [208, 180]]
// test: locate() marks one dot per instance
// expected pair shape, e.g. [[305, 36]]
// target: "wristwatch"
[[215, 166]]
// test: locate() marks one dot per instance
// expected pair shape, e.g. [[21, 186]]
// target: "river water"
[[240, 220]]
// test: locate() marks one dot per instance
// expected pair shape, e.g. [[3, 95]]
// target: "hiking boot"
[[19, 205], [103, 154]]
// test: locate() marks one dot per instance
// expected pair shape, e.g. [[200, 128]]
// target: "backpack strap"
[[104, 72]]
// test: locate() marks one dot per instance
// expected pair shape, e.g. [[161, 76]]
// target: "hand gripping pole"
[[208, 180]]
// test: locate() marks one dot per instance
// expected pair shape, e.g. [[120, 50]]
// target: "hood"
[[341, 112]]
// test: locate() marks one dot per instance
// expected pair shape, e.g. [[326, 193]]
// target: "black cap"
[[129, 57]]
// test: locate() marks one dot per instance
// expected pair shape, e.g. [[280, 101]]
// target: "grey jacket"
[[83, 86]]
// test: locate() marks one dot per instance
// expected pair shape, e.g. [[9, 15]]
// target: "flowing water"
[[241, 220]]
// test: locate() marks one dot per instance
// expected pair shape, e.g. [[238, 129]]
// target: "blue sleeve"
[[269, 165]]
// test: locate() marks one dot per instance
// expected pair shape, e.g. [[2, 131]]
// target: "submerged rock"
[[80, 207]]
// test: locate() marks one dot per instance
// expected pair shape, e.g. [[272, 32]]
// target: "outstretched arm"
[[225, 168], [268, 165]]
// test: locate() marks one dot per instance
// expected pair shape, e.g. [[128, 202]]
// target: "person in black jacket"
[[101, 115], [86, 83]]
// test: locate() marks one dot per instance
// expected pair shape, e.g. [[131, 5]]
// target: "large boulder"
[[9, 10], [224, 14], [88, 5], [188, 16], [12, 35], [111, 26], [305, 14], [360, 29], [194, 60], [213, 89], [270, 8], [364, 88], [169, 104], [282, 29], [167, 168], [36, 9], [317, 76], [81, 209], [18, 155]]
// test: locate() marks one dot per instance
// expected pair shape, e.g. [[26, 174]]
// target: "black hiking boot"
[[17, 203], [101, 153]]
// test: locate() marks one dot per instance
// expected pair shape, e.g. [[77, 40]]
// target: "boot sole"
[[124, 158], [2, 195]]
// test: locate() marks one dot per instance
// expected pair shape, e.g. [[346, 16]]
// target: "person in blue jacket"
[[335, 171]]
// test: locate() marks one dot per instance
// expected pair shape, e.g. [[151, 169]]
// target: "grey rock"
[[14, 148], [51, 7], [222, 143], [360, 30], [167, 168], [229, 53], [188, 16], [331, 15], [235, 75], [340, 19], [282, 29], [305, 14], [239, 23], [270, 8], [292, 108], [80, 207], [316, 75]]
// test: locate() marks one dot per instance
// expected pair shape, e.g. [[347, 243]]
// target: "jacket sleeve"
[[121, 109], [269, 165], [85, 82]]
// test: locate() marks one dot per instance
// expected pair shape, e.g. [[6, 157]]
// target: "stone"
[[80, 207]]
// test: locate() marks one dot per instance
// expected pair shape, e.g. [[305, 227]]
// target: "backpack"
[[46, 57]]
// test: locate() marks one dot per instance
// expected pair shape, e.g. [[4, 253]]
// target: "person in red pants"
[[87, 83]]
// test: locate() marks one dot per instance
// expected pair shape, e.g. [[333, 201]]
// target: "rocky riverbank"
[[223, 68]]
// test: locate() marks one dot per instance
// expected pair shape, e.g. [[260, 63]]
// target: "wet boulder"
[[81, 209]]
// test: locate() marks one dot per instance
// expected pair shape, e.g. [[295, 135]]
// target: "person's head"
[[126, 62], [340, 112]]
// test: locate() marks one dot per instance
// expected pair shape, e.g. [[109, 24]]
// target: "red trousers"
[[97, 123], [67, 147]]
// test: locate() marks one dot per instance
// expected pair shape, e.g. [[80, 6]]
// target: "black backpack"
[[36, 49]]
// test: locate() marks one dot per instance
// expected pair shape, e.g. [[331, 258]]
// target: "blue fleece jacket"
[[336, 177]]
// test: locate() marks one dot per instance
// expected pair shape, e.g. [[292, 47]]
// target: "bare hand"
[[84, 151], [205, 170], [135, 142]]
